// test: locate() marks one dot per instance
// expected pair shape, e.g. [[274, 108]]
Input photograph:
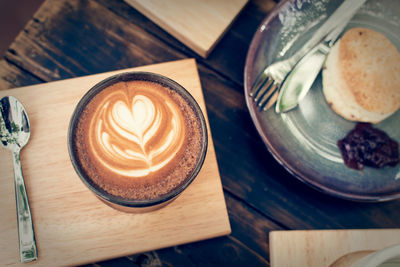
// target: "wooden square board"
[[73, 226], [198, 24], [321, 248]]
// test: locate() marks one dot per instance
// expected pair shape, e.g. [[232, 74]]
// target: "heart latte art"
[[138, 139], [134, 135]]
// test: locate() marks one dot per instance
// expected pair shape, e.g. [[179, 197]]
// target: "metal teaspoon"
[[14, 134]]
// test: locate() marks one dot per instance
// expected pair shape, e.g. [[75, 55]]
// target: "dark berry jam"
[[368, 146]]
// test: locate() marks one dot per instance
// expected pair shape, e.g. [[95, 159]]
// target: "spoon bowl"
[[14, 135], [14, 124]]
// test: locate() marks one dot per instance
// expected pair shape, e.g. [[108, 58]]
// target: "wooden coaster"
[[320, 248], [197, 24], [73, 226]]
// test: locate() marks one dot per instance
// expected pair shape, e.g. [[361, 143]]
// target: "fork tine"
[[264, 89], [271, 101], [270, 97], [265, 92], [258, 84]]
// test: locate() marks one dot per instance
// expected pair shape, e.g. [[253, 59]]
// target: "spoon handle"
[[27, 244]]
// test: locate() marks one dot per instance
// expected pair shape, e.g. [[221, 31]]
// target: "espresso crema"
[[138, 139]]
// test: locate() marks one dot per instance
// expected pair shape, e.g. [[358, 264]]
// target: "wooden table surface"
[[73, 38]]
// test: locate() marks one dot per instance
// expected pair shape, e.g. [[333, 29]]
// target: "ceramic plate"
[[304, 140]]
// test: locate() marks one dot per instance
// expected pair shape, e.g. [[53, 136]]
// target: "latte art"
[[138, 140], [136, 133]]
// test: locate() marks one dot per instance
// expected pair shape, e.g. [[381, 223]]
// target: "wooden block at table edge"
[[197, 24], [72, 226], [321, 248]]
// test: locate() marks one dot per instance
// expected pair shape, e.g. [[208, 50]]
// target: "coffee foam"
[[135, 132], [138, 139]]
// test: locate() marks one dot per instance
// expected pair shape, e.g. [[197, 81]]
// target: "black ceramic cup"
[[118, 202]]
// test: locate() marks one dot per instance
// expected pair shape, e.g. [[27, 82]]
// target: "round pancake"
[[361, 78]]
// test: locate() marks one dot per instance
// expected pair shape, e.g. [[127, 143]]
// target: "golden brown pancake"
[[361, 78]]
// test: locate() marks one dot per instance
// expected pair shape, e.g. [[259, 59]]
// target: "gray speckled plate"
[[304, 140]]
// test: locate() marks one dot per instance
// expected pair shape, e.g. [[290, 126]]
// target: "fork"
[[266, 87]]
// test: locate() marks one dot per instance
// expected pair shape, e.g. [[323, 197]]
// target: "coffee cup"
[[386, 257], [137, 140]]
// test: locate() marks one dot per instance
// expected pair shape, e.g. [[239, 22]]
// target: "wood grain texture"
[[198, 24], [321, 248], [246, 246], [228, 56], [75, 41], [248, 170], [68, 217], [222, 251], [12, 76], [67, 39]]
